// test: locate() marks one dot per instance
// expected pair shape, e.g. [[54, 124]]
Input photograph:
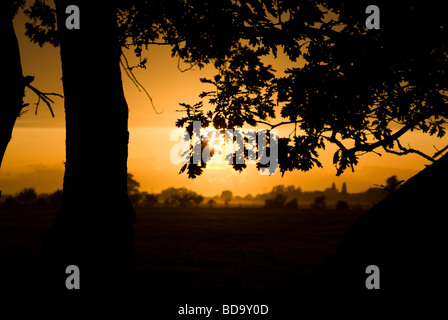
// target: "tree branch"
[[183, 70], [439, 152], [155, 43], [44, 96], [333, 139], [275, 125], [405, 151], [138, 85]]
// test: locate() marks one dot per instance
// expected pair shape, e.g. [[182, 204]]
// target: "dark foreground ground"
[[258, 249], [253, 248], [214, 257], [207, 252]]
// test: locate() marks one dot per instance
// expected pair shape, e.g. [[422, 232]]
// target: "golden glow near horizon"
[[35, 157]]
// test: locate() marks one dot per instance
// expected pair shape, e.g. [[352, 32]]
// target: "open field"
[[254, 249]]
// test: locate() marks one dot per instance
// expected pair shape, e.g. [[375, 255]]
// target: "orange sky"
[[35, 156]]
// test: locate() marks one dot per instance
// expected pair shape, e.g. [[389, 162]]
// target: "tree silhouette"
[[198, 200], [319, 203], [96, 121], [361, 91], [180, 197], [182, 201], [149, 200], [292, 204], [211, 203], [342, 205], [277, 202], [13, 90], [91, 233], [56, 198], [355, 88], [226, 196], [392, 183], [396, 78], [27, 196], [133, 189]]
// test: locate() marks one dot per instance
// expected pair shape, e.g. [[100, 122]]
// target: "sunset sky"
[[36, 154]]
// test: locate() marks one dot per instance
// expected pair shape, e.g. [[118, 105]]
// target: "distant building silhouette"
[[344, 189]]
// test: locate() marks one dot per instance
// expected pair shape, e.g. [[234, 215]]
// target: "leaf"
[[336, 156], [183, 168]]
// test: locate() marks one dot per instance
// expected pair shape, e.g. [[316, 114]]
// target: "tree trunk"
[[405, 236], [13, 88], [94, 228]]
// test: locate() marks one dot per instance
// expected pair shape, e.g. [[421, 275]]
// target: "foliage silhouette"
[[360, 90], [180, 197], [27, 196], [198, 200], [392, 183], [226, 196], [199, 33], [277, 202], [342, 205], [292, 204], [319, 203], [211, 203], [148, 200], [132, 185], [354, 87]]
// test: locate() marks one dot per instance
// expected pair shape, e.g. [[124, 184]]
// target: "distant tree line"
[[289, 197], [279, 197], [29, 198]]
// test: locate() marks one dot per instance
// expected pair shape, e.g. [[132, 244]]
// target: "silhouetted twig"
[[128, 70], [184, 70], [439, 152], [44, 96]]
